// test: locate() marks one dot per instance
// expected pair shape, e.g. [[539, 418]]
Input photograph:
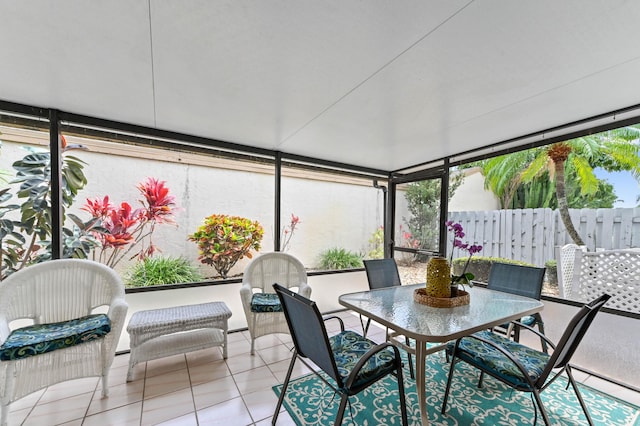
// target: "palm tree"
[[613, 150]]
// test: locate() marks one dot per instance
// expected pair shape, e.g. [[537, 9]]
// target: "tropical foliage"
[[26, 228], [503, 177], [123, 229], [423, 203], [568, 165], [223, 240]]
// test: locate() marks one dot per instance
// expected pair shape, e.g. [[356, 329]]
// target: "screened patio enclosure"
[[380, 93]]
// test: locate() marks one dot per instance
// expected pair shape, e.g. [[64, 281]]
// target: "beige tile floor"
[[199, 388]]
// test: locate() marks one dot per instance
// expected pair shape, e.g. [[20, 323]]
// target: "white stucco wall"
[[332, 213], [471, 194]]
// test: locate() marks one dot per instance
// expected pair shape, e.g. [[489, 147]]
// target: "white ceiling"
[[382, 84]]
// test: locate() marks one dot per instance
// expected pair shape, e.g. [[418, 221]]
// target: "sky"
[[625, 186]]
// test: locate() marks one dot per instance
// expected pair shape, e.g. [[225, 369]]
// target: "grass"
[[162, 270]]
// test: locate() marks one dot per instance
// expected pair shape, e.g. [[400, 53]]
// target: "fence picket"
[[530, 235]]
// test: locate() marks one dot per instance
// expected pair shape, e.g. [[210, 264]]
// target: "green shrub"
[[480, 266], [223, 240], [160, 270], [339, 258], [551, 275]]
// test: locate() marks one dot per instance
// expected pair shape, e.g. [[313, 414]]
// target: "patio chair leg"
[[365, 328], [343, 405], [408, 343], [403, 402], [284, 388], [579, 395], [4, 415], [105, 385], [253, 339], [480, 379], [545, 416], [448, 388]]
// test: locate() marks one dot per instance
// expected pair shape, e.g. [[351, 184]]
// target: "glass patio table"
[[394, 307]]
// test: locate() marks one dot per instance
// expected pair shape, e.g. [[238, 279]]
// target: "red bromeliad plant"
[[122, 229]]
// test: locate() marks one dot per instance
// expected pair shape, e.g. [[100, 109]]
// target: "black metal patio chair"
[[524, 281], [352, 362], [383, 273], [521, 367]]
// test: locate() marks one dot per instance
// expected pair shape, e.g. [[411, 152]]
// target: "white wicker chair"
[[259, 277], [52, 292]]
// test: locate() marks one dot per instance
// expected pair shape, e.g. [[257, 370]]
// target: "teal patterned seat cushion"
[[265, 302], [486, 357], [41, 338], [348, 347]]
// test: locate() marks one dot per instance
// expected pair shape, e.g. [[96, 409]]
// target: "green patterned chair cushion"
[[348, 347], [41, 338], [478, 353], [265, 302]]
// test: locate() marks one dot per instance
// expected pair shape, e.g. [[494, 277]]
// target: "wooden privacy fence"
[[530, 235]]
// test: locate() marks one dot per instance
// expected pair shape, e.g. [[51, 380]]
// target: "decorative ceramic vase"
[[438, 277]]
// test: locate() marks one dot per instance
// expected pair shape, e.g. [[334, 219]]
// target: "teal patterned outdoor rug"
[[311, 402]]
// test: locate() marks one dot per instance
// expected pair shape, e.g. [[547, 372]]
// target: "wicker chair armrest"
[[304, 290], [5, 330], [246, 292], [118, 311]]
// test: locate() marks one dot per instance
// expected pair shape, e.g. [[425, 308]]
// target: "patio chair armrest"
[[118, 311], [327, 318], [304, 289], [366, 357], [534, 331], [500, 349]]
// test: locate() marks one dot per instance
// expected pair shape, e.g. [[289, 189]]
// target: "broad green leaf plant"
[[25, 225]]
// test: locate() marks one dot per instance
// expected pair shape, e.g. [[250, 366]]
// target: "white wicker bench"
[[158, 333]]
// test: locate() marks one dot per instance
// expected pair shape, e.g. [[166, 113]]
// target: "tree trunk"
[[563, 206]]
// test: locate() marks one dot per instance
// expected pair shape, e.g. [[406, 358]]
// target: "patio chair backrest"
[[308, 331], [572, 336], [516, 279], [60, 290], [382, 273], [274, 267]]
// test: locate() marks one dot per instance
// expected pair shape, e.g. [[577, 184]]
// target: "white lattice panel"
[[616, 272], [566, 256]]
